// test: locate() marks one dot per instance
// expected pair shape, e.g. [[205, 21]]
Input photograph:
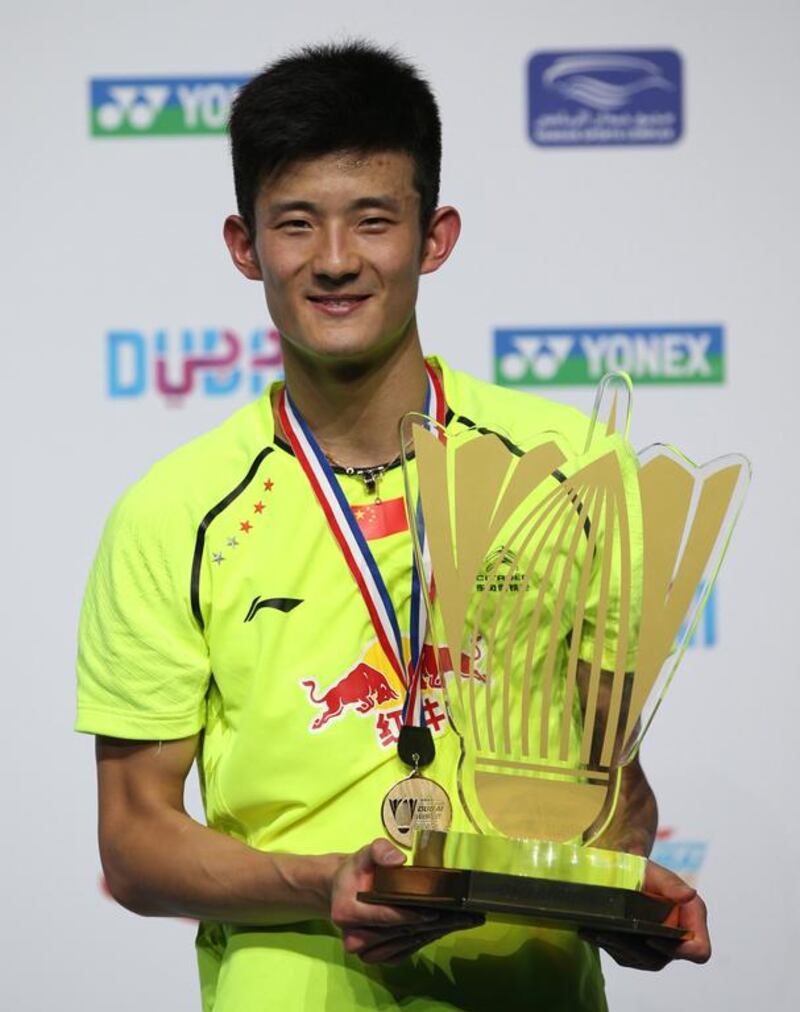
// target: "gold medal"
[[413, 804]]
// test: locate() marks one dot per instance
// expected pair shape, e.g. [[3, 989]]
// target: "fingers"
[[354, 876], [690, 913], [392, 946], [693, 917], [357, 916], [381, 852], [632, 952], [661, 881], [655, 953], [377, 933], [395, 952]]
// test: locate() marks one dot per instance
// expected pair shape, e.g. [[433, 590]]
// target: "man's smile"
[[337, 305]]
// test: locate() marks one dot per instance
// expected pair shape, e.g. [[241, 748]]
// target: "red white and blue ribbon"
[[357, 553]]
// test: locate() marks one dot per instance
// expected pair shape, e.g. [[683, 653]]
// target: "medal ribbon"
[[356, 551]]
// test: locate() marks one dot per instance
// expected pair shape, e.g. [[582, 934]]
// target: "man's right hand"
[[159, 861], [384, 934]]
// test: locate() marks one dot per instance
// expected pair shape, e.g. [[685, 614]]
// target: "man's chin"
[[339, 348]]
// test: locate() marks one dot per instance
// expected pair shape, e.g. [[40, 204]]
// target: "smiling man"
[[225, 621]]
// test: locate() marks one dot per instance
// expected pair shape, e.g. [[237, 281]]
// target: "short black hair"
[[328, 98]]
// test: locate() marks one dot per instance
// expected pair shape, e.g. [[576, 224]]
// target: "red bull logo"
[[362, 688], [371, 689], [436, 662]]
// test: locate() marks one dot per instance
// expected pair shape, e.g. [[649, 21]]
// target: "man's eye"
[[375, 222], [295, 223]]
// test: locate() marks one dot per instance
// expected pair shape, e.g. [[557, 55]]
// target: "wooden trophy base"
[[547, 902]]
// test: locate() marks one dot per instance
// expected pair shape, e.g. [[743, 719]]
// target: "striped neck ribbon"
[[356, 550]]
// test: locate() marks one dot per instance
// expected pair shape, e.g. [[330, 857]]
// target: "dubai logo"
[[167, 106], [565, 356], [605, 97], [209, 361]]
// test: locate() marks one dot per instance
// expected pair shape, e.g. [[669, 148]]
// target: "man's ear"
[[441, 236], [241, 248]]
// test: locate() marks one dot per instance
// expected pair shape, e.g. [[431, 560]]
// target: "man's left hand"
[[656, 953]]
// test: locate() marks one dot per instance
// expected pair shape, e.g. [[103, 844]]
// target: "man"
[[223, 620]]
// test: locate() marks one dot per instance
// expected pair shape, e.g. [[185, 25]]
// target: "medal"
[[415, 802]]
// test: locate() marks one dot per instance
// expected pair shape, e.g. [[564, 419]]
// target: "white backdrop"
[[110, 234]]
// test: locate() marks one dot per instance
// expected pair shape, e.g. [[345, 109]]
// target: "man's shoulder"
[[520, 416], [191, 480]]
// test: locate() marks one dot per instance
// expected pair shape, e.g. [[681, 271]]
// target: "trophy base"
[[566, 905], [541, 882]]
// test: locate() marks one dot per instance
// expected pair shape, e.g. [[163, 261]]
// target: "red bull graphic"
[[364, 688], [371, 689]]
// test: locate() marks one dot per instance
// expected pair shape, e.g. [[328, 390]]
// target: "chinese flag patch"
[[380, 519]]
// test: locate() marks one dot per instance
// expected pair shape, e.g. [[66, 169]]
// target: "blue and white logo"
[[160, 106], [605, 97], [569, 356]]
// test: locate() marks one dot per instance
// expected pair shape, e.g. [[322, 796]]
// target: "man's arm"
[[632, 829], [635, 820], [159, 861]]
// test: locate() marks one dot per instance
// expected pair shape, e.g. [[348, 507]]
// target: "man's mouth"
[[337, 305]]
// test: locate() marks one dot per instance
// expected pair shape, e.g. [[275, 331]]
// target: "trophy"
[[566, 583]]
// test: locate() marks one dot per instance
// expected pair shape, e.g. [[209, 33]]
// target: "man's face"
[[339, 246]]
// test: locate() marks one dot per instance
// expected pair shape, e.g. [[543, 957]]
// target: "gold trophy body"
[[570, 584]]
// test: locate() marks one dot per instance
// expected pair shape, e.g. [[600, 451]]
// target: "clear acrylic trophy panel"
[[567, 582]]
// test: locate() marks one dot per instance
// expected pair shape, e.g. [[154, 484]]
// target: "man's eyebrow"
[[382, 202], [283, 206]]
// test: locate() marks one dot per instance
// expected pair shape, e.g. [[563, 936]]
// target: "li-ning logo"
[[606, 97], [142, 106], [285, 604], [213, 361], [406, 807], [565, 356]]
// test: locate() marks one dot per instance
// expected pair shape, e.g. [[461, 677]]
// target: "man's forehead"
[[392, 171]]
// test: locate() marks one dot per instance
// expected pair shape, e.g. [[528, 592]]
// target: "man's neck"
[[354, 410]]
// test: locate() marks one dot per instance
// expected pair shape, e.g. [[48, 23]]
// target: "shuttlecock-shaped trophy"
[[566, 583]]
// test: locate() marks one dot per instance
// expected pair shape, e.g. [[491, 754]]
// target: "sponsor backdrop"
[[626, 173]]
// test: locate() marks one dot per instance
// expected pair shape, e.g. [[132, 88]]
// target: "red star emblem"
[[259, 507], [246, 526], [268, 485]]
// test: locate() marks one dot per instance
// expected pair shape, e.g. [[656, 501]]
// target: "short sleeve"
[[143, 664]]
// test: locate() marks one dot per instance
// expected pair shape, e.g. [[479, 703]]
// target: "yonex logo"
[[566, 356], [128, 107], [284, 604], [540, 356]]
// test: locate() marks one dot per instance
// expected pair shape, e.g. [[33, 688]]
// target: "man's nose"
[[335, 260]]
